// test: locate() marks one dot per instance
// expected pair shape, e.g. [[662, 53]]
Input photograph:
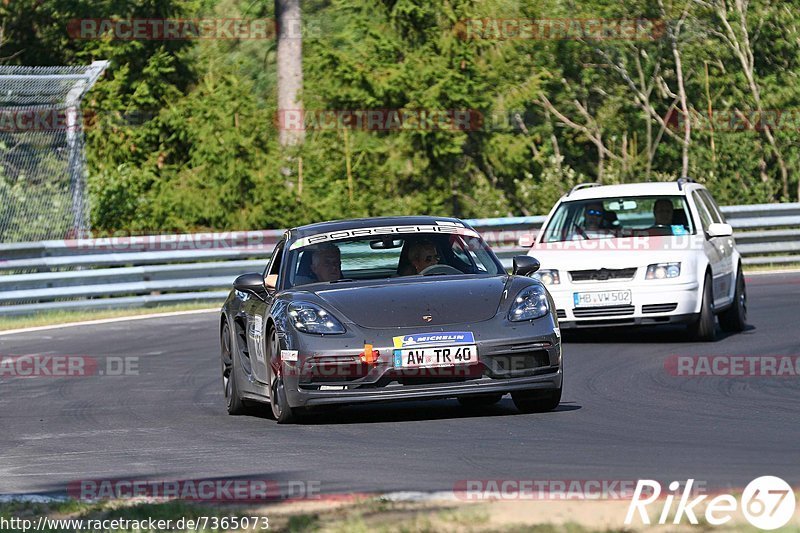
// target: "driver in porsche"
[[422, 255]]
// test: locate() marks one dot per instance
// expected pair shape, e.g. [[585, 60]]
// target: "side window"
[[711, 205], [705, 217], [465, 254], [556, 230], [271, 272], [458, 250]]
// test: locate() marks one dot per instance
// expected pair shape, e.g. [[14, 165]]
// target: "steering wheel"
[[581, 232], [439, 269]]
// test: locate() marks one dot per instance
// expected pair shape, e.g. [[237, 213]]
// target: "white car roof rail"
[[683, 181], [582, 186]]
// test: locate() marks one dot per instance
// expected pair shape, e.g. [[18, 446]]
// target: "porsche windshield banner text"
[[383, 230]]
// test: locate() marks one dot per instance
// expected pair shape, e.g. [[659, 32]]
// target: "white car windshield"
[[608, 218]]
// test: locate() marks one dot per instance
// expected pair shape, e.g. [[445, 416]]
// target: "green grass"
[[47, 318], [770, 267]]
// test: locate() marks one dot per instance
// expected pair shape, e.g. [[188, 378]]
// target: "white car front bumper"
[[652, 302]]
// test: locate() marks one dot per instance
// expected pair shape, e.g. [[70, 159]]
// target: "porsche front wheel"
[[233, 401], [281, 410]]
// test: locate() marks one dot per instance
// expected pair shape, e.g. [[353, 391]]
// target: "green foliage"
[[184, 136]]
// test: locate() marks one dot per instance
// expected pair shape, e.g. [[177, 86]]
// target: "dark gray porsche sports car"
[[387, 309]]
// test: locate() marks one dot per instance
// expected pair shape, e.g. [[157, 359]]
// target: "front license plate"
[[602, 298], [433, 357]]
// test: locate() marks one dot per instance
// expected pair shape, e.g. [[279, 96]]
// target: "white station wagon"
[[642, 254]]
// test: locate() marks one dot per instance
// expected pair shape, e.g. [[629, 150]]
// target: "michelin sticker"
[[434, 339]]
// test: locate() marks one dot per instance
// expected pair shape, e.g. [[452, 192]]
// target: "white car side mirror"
[[719, 230]]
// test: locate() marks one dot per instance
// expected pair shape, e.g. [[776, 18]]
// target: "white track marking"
[[109, 320]]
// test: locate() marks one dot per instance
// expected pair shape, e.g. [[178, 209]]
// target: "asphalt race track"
[[623, 416]]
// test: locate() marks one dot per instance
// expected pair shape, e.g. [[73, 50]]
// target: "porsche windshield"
[[388, 256], [607, 218]]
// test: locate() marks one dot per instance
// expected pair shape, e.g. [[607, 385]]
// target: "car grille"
[[603, 274], [659, 308], [561, 313], [609, 310]]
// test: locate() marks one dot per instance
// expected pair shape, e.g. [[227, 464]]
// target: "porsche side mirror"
[[250, 282], [525, 265], [719, 230]]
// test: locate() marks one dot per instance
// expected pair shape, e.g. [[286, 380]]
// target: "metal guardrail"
[[153, 270]]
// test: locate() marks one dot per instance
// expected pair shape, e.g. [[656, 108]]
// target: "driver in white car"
[[594, 223]]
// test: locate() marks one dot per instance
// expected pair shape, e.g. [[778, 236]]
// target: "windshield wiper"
[[341, 280]]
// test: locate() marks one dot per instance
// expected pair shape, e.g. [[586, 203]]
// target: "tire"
[[704, 327], [233, 400], [537, 401], [281, 410], [734, 319], [480, 400]]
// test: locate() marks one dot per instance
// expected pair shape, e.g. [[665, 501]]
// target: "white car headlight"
[[530, 303], [663, 271], [547, 277], [311, 318]]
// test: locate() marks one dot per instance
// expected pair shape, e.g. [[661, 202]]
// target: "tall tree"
[[290, 65]]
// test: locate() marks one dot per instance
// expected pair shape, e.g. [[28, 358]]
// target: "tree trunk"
[[290, 68]]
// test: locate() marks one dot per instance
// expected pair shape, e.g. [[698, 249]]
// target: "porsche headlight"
[[547, 277], [530, 303], [311, 318], [663, 271]]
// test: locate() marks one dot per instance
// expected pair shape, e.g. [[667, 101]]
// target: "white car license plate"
[[435, 356], [602, 298]]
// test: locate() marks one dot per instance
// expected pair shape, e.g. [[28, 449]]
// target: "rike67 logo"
[[768, 502]]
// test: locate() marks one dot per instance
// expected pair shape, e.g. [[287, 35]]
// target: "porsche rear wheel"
[[233, 401], [281, 410]]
